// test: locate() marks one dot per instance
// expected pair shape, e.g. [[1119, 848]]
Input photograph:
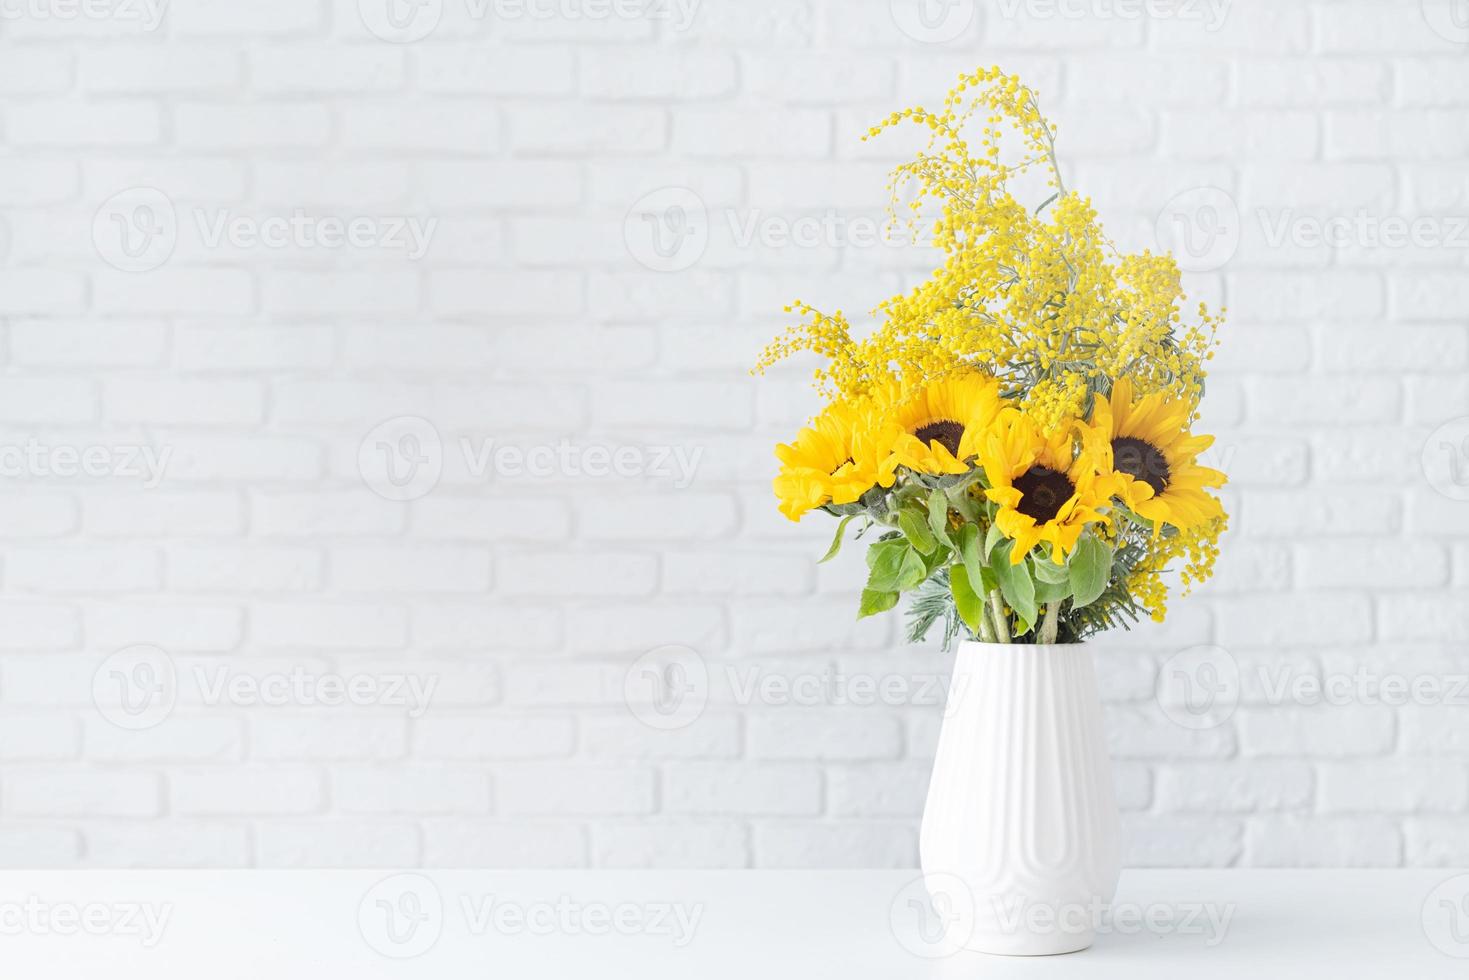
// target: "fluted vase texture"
[[1021, 815]]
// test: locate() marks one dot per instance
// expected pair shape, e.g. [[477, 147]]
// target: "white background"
[[617, 200]]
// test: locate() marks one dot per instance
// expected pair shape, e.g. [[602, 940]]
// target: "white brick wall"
[[507, 468]]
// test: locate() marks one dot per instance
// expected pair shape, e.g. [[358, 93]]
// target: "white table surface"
[[1344, 925]]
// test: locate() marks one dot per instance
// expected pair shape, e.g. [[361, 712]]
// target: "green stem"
[[1050, 625], [997, 610], [986, 629], [1050, 147]]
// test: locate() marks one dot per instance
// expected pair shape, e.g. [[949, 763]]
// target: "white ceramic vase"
[[1021, 816]]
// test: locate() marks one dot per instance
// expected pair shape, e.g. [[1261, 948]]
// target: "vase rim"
[[987, 645]]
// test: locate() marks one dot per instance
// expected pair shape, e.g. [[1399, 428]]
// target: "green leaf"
[[966, 505], [898, 568], [912, 572], [878, 550], [937, 561], [1091, 569], [992, 538], [836, 542], [874, 602], [968, 602], [1015, 584], [915, 529], [887, 566], [969, 553], [1048, 571], [938, 517], [1049, 592]]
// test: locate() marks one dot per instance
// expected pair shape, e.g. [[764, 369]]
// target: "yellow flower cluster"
[[1198, 546], [1049, 483], [1038, 297], [1067, 333]]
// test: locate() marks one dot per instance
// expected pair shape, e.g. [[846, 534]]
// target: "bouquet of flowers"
[[1015, 434]]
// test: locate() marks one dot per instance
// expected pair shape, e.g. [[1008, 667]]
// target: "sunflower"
[[847, 450], [1147, 442], [1045, 489], [945, 422]]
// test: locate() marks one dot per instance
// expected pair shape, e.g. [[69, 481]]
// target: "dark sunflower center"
[[1042, 492], [1141, 461], [944, 432]]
